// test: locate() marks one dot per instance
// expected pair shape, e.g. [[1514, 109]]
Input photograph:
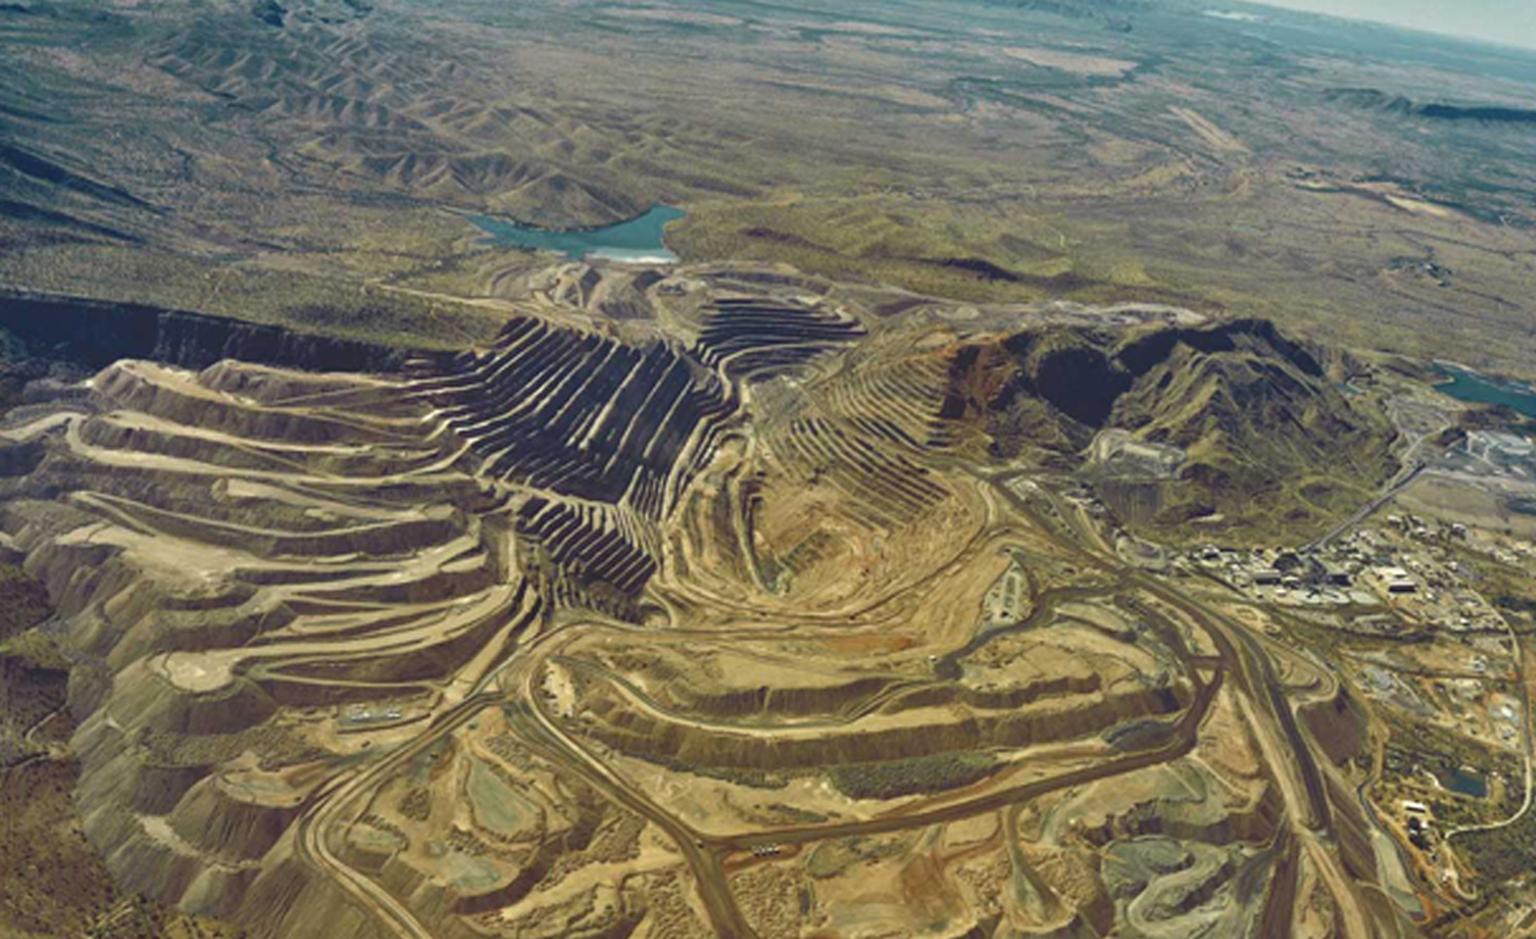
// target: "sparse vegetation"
[[1501, 854], [1029, 154], [893, 779]]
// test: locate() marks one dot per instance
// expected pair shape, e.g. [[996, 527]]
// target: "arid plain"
[[1367, 185]]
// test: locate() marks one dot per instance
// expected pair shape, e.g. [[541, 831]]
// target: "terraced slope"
[[722, 622], [745, 337], [605, 434], [241, 550], [229, 550], [582, 414]]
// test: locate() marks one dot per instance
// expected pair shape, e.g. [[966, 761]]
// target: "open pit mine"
[[713, 601]]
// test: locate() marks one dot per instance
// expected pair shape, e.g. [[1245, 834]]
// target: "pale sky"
[[1511, 22]]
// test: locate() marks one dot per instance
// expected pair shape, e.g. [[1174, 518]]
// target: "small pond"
[[639, 239], [1464, 384], [1467, 783]]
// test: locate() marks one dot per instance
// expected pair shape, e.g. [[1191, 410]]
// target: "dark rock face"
[[1071, 370], [1140, 355], [1096, 380], [1083, 383], [96, 333], [1252, 407]]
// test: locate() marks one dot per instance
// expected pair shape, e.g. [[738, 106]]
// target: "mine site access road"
[[331, 805], [315, 824], [1238, 654], [1256, 681], [705, 852], [724, 914]]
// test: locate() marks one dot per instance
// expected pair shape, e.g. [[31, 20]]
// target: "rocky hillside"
[[1258, 419]]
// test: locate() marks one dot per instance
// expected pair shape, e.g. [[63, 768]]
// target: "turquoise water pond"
[[638, 239], [1467, 385]]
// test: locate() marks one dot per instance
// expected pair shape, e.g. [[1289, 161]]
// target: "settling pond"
[[1467, 385], [639, 239]]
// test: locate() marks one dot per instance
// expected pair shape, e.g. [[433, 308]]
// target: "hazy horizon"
[[1506, 22]]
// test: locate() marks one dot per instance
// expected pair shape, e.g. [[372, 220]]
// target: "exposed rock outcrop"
[[97, 333]]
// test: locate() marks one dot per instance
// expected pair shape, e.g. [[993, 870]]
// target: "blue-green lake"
[[638, 239], [1466, 385]]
